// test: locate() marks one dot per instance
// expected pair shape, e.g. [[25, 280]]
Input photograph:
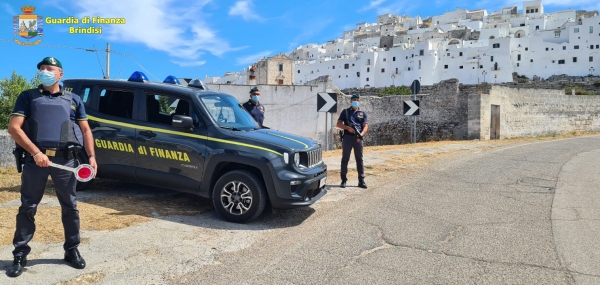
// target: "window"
[[591, 58], [281, 67], [518, 57], [591, 29], [597, 46], [574, 59], [346, 66], [531, 60], [368, 61], [492, 58], [564, 47], [421, 52], [576, 47], [561, 61], [446, 66], [448, 54], [394, 58], [160, 109], [86, 95], [367, 78], [368, 69], [280, 81], [116, 102], [496, 45], [536, 10], [557, 34], [526, 49], [460, 67], [382, 70], [460, 53], [591, 46], [481, 66], [419, 64], [409, 69], [384, 59], [537, 28], [517, 64], [527, 11], [333, 67], [298, 70], [576, 30], [357, 74], [396, 70]]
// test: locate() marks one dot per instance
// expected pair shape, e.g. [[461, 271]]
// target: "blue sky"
[[202, 37]]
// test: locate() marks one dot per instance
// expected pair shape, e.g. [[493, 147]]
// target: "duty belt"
[[53, 152]]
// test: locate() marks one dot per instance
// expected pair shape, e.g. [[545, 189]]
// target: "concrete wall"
[[535, 112], [289, 108], [6, 146]]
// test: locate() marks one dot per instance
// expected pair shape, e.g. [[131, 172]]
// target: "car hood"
[[282, 139]]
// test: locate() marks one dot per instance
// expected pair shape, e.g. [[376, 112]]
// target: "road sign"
[[326, 102], [411, 108], [415, 87]]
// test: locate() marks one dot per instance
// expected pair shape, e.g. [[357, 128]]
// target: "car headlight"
[[297, 159]]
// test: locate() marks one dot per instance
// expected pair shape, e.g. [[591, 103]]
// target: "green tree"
[[10, 88]]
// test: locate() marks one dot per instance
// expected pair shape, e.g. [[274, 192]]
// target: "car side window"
[[160, 109], [116, 102], [85, 95]]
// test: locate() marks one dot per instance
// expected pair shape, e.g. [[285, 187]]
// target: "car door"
[[110, 112], [169, 157]]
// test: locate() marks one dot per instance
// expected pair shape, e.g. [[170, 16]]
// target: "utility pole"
[[107, 60]]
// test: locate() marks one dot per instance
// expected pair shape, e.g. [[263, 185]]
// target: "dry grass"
[[87, 278]]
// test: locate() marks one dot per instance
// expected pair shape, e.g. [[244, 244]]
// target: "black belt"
[[53, 152]]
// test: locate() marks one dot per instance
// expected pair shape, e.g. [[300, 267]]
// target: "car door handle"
[[148, 134]]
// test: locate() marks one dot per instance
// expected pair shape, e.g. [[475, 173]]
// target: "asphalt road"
[[525, 213]]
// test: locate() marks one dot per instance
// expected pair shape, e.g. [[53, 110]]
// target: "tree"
[[10, 88]]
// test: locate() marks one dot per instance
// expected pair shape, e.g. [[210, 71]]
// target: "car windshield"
[[228, 112]]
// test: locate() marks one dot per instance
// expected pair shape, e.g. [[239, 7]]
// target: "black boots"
[[17, 267], [343, 185], [362, 184], [74, 259]]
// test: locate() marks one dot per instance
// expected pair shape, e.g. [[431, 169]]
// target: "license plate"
[[322, 182]]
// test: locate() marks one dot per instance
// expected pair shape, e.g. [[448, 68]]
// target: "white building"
[[473, 46]]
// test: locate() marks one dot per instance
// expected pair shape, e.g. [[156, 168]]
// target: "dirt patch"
[[88, 278]]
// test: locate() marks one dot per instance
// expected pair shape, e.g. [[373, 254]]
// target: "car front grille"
[[311, 158]]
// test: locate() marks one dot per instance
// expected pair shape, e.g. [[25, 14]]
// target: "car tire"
[[82, 158], [239, 196]]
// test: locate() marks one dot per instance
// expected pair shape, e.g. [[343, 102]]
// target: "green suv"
[[191, 139]]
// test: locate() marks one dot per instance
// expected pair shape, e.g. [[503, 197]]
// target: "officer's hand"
[[351, 130], [94, 165], [42, 160], [358, 140]]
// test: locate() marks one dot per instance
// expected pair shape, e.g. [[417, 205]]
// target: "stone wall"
[[526, 112]]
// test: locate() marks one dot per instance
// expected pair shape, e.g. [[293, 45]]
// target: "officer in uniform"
[[353, 120], [254, 107], [49, 124]]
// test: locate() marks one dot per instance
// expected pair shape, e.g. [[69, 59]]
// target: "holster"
[[73, 152], [19, 154]]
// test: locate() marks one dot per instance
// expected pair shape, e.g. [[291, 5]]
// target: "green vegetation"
[[578, 90], [10, 88], [395, 90]]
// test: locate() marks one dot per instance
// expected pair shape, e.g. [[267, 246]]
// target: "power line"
[[99, 63]]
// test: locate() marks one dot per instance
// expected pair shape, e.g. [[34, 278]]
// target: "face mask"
[[255, 98], [47, 78], [355, 104]]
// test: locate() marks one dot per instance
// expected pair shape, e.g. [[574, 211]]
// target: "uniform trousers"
[[348, 143], [33, 183]]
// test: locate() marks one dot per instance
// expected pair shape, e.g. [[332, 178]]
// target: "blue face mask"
[[355, 104], [255, 98], [47, 78]]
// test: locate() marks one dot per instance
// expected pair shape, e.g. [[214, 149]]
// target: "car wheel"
[[83, 159], [239, 196]]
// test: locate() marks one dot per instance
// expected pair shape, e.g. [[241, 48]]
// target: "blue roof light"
[[172, 79], [138, 76]]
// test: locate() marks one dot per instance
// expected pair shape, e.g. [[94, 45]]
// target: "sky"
[[199, 38]]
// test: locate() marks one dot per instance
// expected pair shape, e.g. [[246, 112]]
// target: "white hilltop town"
[[472, 46]]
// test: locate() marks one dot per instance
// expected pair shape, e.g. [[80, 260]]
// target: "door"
[[167, 156], [114, 136], [495, 123]]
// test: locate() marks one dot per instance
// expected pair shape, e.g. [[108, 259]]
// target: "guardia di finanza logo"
[[28, 26]]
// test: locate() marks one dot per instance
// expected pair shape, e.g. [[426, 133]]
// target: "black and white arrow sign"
[[411, 108], [326, 102]]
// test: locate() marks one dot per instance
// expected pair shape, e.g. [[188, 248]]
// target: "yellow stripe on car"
[[179, 134], [305, 145]]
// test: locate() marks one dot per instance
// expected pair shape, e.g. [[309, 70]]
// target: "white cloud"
[[245, 10], [189, 63], [250, 59], [373, 4], [575, 4], [9, 9], [162, 25]]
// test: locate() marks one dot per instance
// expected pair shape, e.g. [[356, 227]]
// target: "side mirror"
[[182, 122]]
